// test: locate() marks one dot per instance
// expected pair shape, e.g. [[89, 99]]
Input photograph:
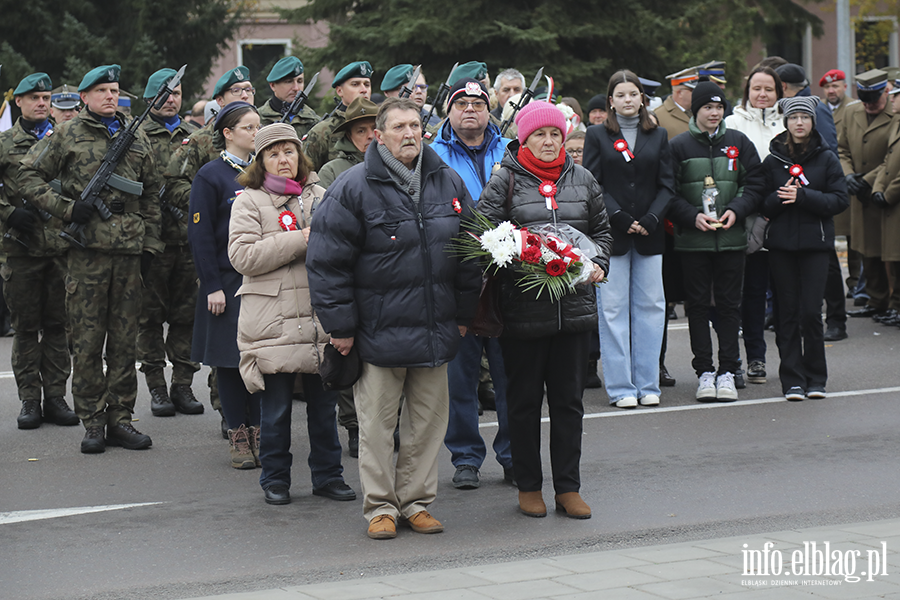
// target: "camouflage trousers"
[[169, 295], [35, 294], [103, 298]]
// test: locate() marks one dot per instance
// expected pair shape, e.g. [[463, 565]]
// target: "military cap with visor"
[[238, 74], [98, 75], [870, 85], [360, 68], [712, 71], [686, 77], [287, 67], [397, 77], [64, 99], [36, 82]]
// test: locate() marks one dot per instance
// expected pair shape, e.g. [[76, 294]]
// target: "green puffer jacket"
[[73, 154], [697, 155]]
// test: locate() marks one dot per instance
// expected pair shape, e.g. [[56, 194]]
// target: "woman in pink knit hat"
[[545, 343]]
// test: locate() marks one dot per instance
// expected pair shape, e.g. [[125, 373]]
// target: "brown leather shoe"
[[382, 527], [572, 504], [532, 504], [422, 522]]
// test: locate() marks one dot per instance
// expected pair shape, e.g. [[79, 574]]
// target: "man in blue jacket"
[[382, 282], [473, 147]]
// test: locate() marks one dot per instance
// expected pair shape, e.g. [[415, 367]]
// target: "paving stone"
[[359, 589], [597, 561], [518, 571], [685, 569], [525, 590], [604, 580], [685, 589]]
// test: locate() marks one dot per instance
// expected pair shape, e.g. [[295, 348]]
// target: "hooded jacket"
[[761, 125], [465, 161]]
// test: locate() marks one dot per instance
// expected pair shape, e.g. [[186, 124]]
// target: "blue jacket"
[[379, 269], [475, 167], [212, 193]]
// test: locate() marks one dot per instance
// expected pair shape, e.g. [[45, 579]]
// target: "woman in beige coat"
[[279, 337]]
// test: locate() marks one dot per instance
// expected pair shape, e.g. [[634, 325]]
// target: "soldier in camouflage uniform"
[[352, 81], [286, 81], [103, 284], [194, 152], [170, 290], [34, 270]]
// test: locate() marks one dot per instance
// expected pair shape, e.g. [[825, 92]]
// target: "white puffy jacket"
[[758, 124]]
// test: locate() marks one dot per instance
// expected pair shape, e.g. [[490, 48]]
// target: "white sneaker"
[[650, 400], [707, 388], [725, 389], [627, 402]]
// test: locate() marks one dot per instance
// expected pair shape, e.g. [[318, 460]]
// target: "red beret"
[[832, 76]]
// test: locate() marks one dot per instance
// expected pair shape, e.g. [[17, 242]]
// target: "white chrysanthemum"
[[566, 110], [500, 244], [505, 229]]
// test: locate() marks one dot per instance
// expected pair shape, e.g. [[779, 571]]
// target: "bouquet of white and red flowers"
[[548, 257]]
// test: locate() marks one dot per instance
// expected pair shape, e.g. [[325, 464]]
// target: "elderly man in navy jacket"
[[473, 147], [381, 281]]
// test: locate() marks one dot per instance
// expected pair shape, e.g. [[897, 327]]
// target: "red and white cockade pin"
[[732, 153], [548, 191], [288, 221], [796, 171], [622, 146], [456, 205]]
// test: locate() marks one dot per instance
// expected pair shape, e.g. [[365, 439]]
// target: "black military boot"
[[56, 411], [93, 442], [124, 434], [30, 415], [160, 404], [183, 398]]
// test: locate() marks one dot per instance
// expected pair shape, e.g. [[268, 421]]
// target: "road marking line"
[[654, 411], [18, 516]]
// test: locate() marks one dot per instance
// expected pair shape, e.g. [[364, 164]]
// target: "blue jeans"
[[275, 431], [632, 310], [463, 439]]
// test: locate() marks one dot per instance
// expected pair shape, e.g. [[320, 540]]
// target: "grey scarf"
[[405, 179]]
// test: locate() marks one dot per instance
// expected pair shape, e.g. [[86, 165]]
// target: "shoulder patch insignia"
[[303, 139], [196, 217]]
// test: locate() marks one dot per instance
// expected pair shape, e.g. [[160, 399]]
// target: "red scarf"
[[545, 171], [282, 186]]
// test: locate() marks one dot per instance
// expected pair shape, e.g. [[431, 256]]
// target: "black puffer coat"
[[808, 223], [378, 268], [580, 200]]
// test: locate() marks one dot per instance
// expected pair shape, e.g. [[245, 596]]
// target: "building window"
[[786, 41], [875, 43], [261, 55]]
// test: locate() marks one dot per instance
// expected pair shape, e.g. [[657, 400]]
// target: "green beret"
[[474, 69], [156, 81], [36, 82], [230, 78], [396, 77], [289, 66], [360, 68], [98, 75]]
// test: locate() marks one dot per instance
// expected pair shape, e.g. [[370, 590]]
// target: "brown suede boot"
[[253, 435], [572, 504], [241, 455], [532, 504]]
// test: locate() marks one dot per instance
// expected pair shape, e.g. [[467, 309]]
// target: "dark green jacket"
[[318, 144], [163, 145], [697, 155], [348, 156]]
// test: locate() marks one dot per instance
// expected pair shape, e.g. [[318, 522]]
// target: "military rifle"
[[299, 100], [439, 98], [100, 182], [409, 86], [170, 209], [526, 97]]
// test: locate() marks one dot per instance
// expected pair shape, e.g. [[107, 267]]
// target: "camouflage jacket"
[[348, 156], [72, 155], [192, 154], [163, 145], [45, 240], [321, 139], [302, 123]]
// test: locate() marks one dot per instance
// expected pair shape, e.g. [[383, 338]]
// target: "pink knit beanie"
[[537, 114]]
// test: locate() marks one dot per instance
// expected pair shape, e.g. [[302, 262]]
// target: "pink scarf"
[[282, 186]]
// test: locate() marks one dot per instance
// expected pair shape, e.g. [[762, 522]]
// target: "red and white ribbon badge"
[[797, 172], [456, 205], [732, 153], [548, 191], [288, 221], [622, 146]]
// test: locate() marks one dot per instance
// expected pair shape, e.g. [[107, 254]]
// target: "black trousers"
[[835, 301], [877, 283], [719, 275], [558, 362], [799, 282]]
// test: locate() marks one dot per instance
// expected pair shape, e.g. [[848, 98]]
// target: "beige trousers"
[[411, 485]]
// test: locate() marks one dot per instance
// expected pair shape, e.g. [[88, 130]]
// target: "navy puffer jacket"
[[580, 200], [378, 268]]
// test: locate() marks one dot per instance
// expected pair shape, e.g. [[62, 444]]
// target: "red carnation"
[[556, 267], [532, 254], [532, 240]]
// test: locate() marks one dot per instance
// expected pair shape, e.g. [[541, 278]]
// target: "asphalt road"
[[679, 472]]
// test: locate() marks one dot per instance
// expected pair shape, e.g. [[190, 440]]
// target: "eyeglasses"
[[237, 91], [422, 86], [576, 152], [477, 105]]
